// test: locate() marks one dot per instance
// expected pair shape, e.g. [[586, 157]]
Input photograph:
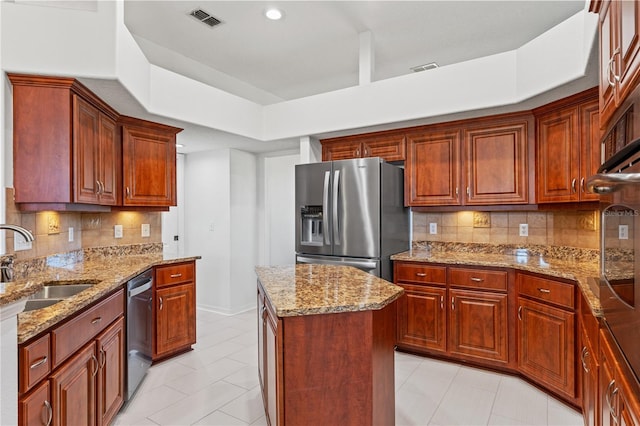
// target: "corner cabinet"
[[474, 162], [568, 150], [65, 145], [148, 163], [390, 146], [174, 309]]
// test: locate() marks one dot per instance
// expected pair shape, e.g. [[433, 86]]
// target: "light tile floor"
[[217, 384]]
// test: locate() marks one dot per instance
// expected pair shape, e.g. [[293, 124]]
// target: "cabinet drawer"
[[478, 278], [419, 273], [72, 335], [555, 292], [35, 362], [174, 274]]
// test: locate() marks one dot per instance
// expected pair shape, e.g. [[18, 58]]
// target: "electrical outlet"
[[70, 234], [623, 232], [19, 243], [145, 230], [524, 230], [117, 231], [433, 228]]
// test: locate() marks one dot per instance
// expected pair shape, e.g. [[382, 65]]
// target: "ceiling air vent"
[[424, 67], [204, 17]]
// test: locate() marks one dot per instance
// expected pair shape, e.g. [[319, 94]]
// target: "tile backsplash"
[[555, 228], [90, 230]]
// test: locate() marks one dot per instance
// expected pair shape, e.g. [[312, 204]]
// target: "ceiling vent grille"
[[424, 67], [205, 18]]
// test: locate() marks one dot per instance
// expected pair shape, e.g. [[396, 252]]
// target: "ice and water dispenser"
[[312, 232]]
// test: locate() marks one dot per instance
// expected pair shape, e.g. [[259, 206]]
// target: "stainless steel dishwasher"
[[139, 329]]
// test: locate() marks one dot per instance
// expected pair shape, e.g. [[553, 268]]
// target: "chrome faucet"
[[28, 236], [6, 266]]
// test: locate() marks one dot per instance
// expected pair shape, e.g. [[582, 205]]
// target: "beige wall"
[[51, 230], [556, 228]]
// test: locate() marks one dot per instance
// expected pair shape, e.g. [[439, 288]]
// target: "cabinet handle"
[[573, 185], [175, 275], [475, 279], [582, 188], [607, 395], [421, 274], [366, 152], [441, 303], [103, 358], [453, 303], [96, 320], [544, 290], [49, 417], [614, 412], [468, 192], [583, 357], [93, 357], [610, 70], [39, 362], [357, 153], [98, 187], [128, 192], [520, 313], [160, 299], [456, 191]]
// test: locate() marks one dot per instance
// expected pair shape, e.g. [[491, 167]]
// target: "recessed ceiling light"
[[273, 14]]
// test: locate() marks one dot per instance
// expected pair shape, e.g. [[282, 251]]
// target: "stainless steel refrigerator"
[[351, 212]]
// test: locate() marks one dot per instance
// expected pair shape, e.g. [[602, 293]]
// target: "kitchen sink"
[[53, 293]]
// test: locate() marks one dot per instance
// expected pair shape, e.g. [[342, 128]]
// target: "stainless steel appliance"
[[139, 329], [618, 183], [351, 212]]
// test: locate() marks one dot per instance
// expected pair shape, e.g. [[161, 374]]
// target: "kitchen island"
[[326, 345]]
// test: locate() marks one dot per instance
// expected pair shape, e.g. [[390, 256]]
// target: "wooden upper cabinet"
[[65, 146], [149, 163], [619, 34], [477, 162], [568, 149], [388, 146], [432, 169], [496, 165]]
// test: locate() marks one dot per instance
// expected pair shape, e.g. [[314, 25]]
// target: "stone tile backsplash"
[[554, 228]]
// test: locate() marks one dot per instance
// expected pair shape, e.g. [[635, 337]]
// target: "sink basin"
[[59, 291], [53, 293], [33, 304]]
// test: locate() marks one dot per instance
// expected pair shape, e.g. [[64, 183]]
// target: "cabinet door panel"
[[421, 317], [271, 372], [110, 386], [590, 158], [73, 389], [628, 32], [390, 148], [496, 164], [558, 157], [175, 318], [108, 161], [432, 175], [546, 345], [86, 127], [607, 92], [478, 325], [35, 408], [341, 151]]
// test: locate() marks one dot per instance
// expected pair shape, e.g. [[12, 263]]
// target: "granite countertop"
[[107, 272], [582, 271], [309, 289]]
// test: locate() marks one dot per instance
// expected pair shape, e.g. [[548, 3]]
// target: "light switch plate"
[[145, 230], [433, 228], [623, 232], [117, 231], [70, 234]]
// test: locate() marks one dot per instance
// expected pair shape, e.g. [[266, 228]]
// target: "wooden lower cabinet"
[[87, 388], [422, 317], [546, 345], [478, 325], [174, 309]]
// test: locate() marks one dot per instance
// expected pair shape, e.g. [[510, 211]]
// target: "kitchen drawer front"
[[550, 291], [174, 274], [478, 278], [74, 334], [420, 273], [34, 362]]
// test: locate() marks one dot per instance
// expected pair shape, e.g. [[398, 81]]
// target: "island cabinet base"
[[334, 368]]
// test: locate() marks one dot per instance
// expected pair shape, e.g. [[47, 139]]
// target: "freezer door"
[[355, 207], [312, 203]]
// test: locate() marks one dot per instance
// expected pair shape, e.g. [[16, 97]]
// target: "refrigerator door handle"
[[336, 227], [325, 209]]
